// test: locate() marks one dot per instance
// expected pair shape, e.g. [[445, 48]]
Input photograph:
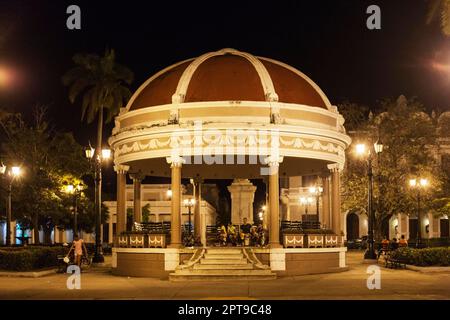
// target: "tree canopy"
[[410, 139], [49, 161]]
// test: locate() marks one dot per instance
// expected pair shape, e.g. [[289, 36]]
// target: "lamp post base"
[[370, 255], [98, 258]]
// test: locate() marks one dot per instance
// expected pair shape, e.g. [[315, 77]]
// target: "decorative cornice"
[[185, 79], [121, 169], [335, 167]]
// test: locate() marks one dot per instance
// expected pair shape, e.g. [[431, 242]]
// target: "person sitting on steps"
[[245, 231], [403, 242]]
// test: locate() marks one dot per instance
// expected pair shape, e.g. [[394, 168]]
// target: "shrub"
[[29, 258], [317, 231], [424, 257]]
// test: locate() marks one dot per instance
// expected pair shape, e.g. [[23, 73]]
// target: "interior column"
[[175, 226], [274, 205], [326, 203], [121, 198], [137, 204], [110, 230], [335, 199], [197, 210]]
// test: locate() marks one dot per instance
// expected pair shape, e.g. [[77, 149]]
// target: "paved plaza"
[[100, 284]]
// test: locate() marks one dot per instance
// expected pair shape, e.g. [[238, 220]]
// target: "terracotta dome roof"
[[228, 75]]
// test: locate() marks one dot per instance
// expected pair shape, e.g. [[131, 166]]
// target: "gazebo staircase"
[[218, 264]]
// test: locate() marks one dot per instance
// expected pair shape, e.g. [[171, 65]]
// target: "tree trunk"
[[36, 228], [100, 131], [47, 235]]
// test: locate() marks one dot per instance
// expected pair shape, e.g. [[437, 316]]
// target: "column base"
[[175, 245], [275, 246], [98, 258], [370, 255]]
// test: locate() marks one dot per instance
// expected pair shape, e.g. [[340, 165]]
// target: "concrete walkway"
[[98, 283]]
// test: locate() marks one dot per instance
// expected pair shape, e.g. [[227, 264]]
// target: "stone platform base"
[[159, 263]]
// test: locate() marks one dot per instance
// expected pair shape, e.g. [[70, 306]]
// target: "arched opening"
[[385, 227], [352, 226]]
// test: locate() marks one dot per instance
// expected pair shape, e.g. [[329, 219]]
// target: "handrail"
[[254, 260], [193, 260]]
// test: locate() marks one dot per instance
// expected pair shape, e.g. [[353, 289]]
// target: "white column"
[[175, 227], [274, 201], [121, 212]]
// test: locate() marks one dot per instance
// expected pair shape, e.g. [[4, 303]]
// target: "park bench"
[[391, 262]]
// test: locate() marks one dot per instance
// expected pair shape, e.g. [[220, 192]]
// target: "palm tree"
[[440, 9], [101, 82]]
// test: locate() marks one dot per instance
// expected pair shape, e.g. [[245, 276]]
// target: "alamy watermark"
[[73, 21], [373, 22], [230, 146]]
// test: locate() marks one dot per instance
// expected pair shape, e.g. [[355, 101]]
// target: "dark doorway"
[[352, 226], [412, 228], [444, 228]]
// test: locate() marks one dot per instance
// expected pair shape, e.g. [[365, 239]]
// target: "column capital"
[[335, 167], [175, 161], [139, 176], [121, 168]]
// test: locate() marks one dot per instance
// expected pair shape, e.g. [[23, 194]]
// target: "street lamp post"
[[418, 184], [362, 151], [97, 156], [316, 191], [11, 174], [264, 215], [306, 201], [189, 203]]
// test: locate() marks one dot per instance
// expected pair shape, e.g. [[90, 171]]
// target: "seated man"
[[403, 242], [384, 246], [254, 236], [245, 230], [223, 235]]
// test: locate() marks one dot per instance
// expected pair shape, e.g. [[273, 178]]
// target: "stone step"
[[247, 266], [252, 272], [175, 278], [217, 256], [224, 251], [222, 261]]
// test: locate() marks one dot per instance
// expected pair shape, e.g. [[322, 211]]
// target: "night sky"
[[327, 40]]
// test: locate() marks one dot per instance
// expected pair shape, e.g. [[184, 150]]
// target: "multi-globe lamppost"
[[363, 151], [418, 184], [189, 203], [11, 175], [306, 202], [97, 156]]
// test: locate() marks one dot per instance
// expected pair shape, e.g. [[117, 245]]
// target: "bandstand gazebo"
[[223, 115]]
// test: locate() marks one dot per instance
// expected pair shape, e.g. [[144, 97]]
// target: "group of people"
[[245, 235]]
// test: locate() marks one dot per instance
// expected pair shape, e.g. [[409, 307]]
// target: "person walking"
[[78, 246]]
